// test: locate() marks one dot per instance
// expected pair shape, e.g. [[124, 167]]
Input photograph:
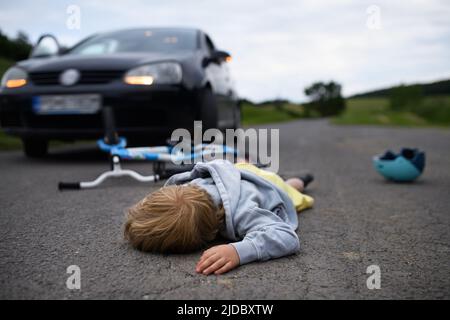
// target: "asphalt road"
[[358, 220]]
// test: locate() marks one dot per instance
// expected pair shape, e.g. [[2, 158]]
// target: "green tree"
[[326, 98], [15, 49]]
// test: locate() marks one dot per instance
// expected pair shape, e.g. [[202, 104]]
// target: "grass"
[[260, 114], [435, 109], [376, 111], [8, 142], [431, 111]]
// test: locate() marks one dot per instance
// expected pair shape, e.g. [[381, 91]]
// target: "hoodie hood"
[[240, 192]]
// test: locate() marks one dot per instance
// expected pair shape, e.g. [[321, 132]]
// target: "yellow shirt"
[[301, 201]]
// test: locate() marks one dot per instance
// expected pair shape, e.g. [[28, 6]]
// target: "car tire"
[[208, 109], [34, 148]]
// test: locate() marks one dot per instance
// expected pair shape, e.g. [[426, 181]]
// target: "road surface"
[[358, 220]]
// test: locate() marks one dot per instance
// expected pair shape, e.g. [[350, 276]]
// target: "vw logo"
[[69, 77]]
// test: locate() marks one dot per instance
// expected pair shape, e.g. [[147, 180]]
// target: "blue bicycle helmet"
[[407, 165]]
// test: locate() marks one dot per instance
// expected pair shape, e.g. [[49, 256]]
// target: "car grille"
[[87, 77]]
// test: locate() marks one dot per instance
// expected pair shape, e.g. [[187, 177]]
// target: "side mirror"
[[46, 46], [217, 57]]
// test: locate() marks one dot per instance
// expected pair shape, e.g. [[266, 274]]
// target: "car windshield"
[[142, 40]]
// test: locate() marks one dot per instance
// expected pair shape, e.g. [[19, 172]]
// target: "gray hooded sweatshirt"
[[259, 217]]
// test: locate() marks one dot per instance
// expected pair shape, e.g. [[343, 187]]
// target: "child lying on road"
[[254, 208]]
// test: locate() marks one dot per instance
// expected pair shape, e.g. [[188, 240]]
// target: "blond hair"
[[178, 218]]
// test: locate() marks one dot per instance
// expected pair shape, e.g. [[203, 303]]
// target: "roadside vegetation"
[[377, 111], [325, 101], [272, 111], [402, 106], [420, 105], [9, 142]]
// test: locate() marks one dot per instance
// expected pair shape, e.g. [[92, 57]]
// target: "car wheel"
[[208, 109], [34, 148]]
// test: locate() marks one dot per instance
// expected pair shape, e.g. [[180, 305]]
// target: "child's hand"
[[218, 259]]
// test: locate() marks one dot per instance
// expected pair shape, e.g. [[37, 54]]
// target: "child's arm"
[[267, 242], [266, 237]]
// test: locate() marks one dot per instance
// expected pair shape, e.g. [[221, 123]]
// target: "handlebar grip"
[[69, 186]]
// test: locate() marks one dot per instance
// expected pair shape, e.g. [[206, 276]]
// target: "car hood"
[[116, 61]]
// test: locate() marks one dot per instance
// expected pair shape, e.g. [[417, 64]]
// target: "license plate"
[[67, 104]]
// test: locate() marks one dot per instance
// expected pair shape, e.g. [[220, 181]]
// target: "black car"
[[155, 80]]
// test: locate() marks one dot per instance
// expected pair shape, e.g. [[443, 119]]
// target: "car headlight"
[[14, 78], [159, 73]]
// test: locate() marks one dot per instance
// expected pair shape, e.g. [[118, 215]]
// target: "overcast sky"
[[278, 46]]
